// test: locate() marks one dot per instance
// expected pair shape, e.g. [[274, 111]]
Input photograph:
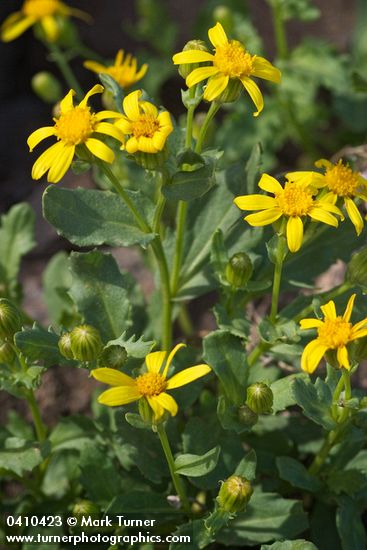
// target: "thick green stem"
[[279, 259], [159, 254], [279, 29], [213, 109], [59, 57], [177, 482]]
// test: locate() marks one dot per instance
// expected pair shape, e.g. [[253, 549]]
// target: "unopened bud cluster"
[[83, 343], [239, 270], [10, 320]]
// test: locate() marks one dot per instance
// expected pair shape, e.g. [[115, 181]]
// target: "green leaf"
[[20, 456], [315, 400], [282, 391], [347, 481], [112, 86], [101, 292], [237, 324], [136, 421], [229, 416], [189, 185], [72, 433], [89, 217], [226, 356], [267, 517], [196, 465], [296, 474], [253, 168], [98, 475], [39, 344], [299, 544], [135, 347], [57, 280], [16, 239], [349, 524], [247, 467]]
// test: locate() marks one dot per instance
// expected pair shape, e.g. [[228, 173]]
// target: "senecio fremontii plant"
[[263, 438]]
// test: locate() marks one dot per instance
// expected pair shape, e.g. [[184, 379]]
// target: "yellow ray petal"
[[186, 376], [50, 27], [44, 162], [263, 218], [294, 233], [97, 89], [312, 355], [359, 325], [171, 356], [94, 66], [156, 407], [119, 396], [107, 114], [110, 130], [149, 108], [329, 310], [215, 86], [167, 402], [270, 184], [343, 358], [131, 105], [361, 333], [192, 56], [124, 125], [61, 164], [159, 140], [100, 150], [112, 377], [132, 145], [254, 92], [354, 214], [155, 360], [67, 102], [301, 177], [146, 145], [262, 68], [319, 214], [164, 119], [254, 202], [217, 36], [323, 163], [38, 135], [15, 25], [310, 323], [349, 308], [199, 74]]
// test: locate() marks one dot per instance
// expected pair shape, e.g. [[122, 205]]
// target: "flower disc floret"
[[295, 200], [146, 126], [151, 383], [232, 60], [334, 332], [40, 8], [341, 179], [75, 126]]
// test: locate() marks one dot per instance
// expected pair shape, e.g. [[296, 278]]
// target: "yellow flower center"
[[146, 126], [295, 200], [40, 8], [233, 60], [151, 383], [334, 333], [75, 126], [342, 180]]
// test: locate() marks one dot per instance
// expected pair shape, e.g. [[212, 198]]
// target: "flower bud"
[[10, 321], [232, 92], [247, 416], [357, 269], [65, 346], [259, 398], [234, 494], [85, 508], [239, 270], [186, 68], [47, 87], [223, 15], [151, 161], [85, 343], [7, 354], [113, 357]]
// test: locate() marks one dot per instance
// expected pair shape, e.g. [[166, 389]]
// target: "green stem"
[[185, 321], [279, 259], [158, 253], [254, 355], [213, 109], [336, 397], [59, 57], [177, 482], [279, 29], [161, 202]]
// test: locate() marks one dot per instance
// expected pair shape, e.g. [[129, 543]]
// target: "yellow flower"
[[151, 385], [124, 71], [335, 332], [230, 62], [44, 12], [148, 129], [342, 182], [75, 126], [293, 201]]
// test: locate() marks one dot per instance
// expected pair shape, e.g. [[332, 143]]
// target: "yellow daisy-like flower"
[[293, 201], [230, 61], [124, 71], [75, 126], [44, 12], [151, 385], [146, 127], [335, 332], [342, 182]]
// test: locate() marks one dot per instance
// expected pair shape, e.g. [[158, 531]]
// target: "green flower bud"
[[47, 87], [259, 398], [151, 161], [65, 346], [232, 92], [86, 343], [239, 270], [247, 416], [85, 508], [357, 269], [7, 354], [186, 68], [10, 321], [234, 494], [113, 357]]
